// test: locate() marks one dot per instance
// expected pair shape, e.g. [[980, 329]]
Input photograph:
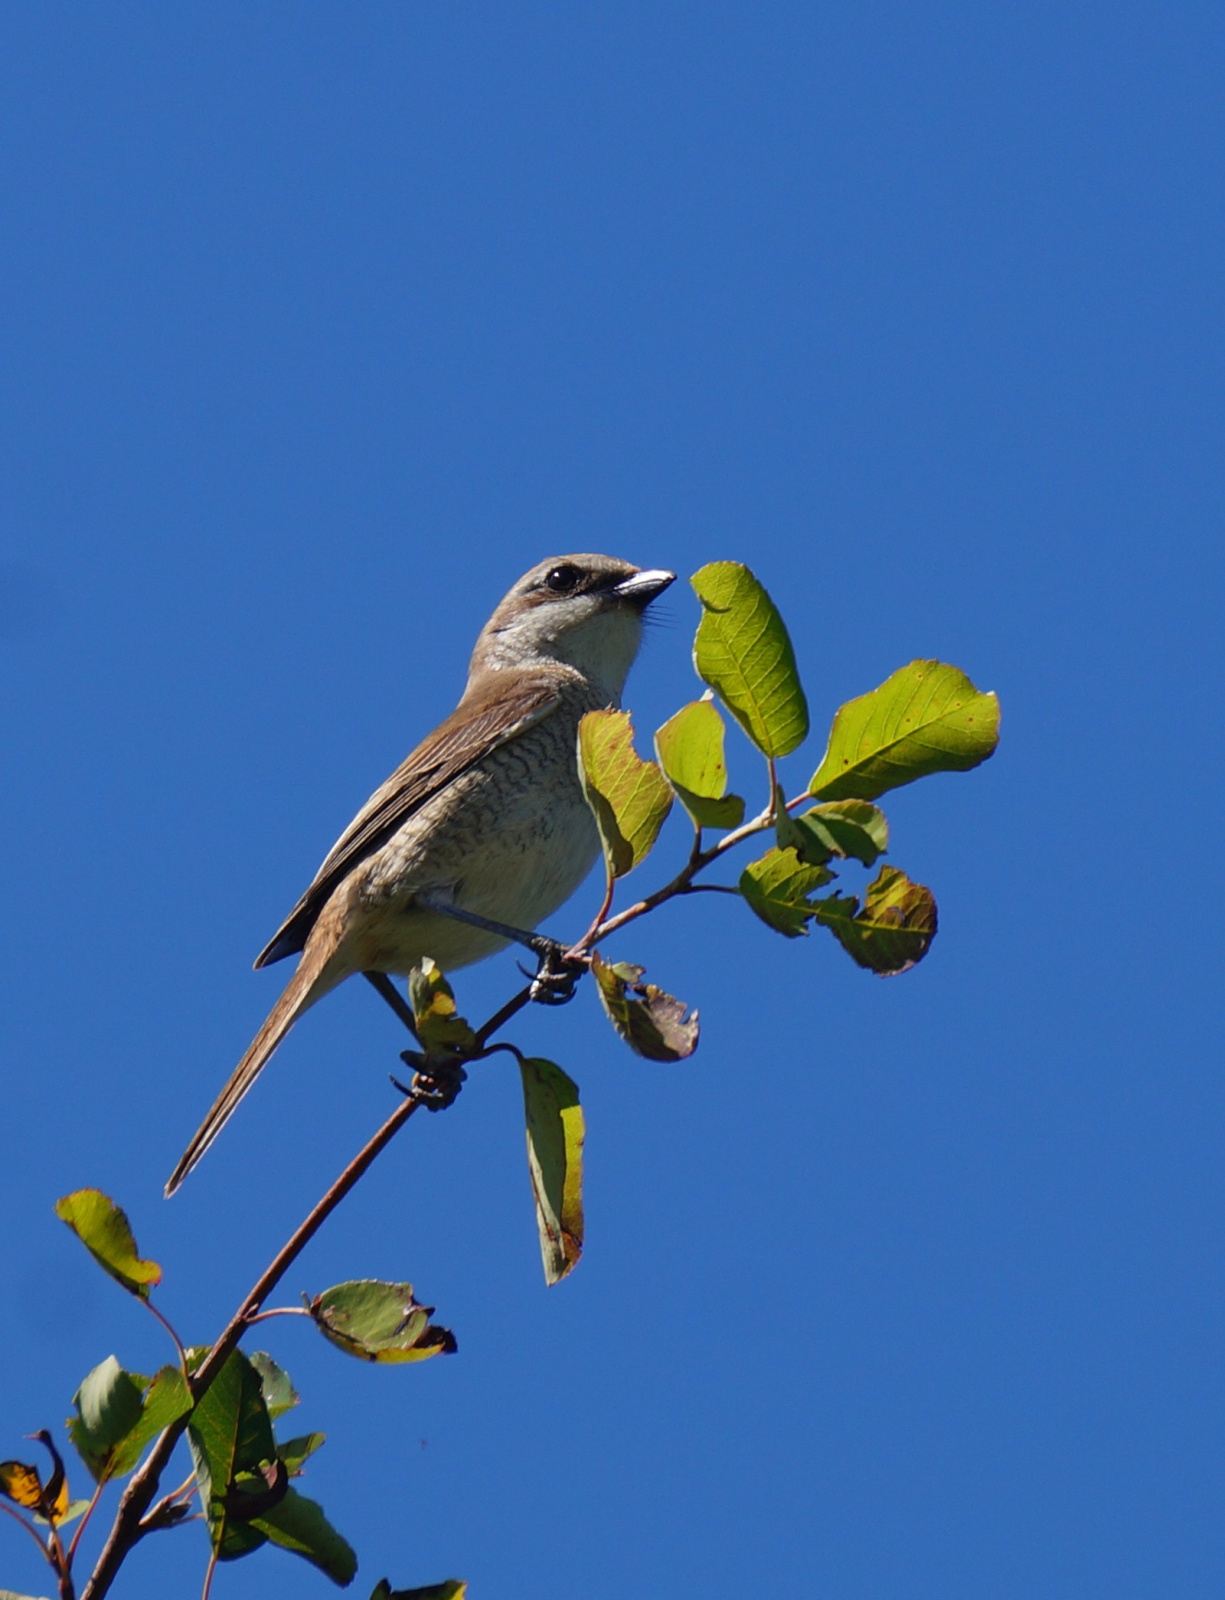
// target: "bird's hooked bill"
[[644, 586]]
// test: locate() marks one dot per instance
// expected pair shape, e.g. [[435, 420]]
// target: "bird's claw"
[[556, 977]]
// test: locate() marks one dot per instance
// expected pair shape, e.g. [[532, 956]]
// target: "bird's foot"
[[556, 977], [435, 1082]]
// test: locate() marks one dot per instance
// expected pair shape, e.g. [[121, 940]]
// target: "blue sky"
[[322, 323]]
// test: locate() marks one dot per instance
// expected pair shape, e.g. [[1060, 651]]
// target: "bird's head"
[[584, 610]]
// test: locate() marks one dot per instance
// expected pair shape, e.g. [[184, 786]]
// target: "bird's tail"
[[308, 984]]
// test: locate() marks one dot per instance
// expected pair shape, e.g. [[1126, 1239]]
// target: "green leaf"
[[652, 1022], [119, 1412], [279, 1394], [165, 1400], [628, 796], [778, 886], [105, 1232], [379, 1321], [743, 652], [892, 932], [928, 717], [230, 1432], [440, 1027], [299, 1525], [451, 1589], [840, 828], [690, 751], [296, 1451], [555, 1134], [108, 1407]]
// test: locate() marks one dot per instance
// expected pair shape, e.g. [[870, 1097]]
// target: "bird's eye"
[[562, 579]]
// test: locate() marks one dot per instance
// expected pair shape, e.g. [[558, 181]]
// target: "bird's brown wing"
[[479, 724]]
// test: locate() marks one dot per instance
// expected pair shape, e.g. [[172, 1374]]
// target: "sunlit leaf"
[[928, 717], [105, 1232], [451, 1589], [628, 796], [778, 887], [892, 932], [440, 1027], [841, 828], [743, 652], [555, 1133], [11, 1594], [652, 1022], [379, 1321], [299, 1525], [690, 751]]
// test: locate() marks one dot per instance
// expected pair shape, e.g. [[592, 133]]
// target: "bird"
[[484, 820]]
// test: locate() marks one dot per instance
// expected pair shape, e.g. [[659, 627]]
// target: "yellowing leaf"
[[777, 888], [928, 717], [21, 1484], [742, 650], [892, 932], [628, 796], [690, 751], [378, 1321], [439, 1026], [555, 1135], [106, 1233]]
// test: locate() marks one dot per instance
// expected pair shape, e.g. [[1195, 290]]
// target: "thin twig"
[[208, 1576], [500, 1018], [29, 1528], [143, 1485], [278, 1311], [85, 1516], [178, 1343]]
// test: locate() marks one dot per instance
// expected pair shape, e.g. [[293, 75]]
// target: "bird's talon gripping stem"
[[557, 976]]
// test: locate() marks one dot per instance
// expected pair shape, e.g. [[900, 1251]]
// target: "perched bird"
[[485, 817]]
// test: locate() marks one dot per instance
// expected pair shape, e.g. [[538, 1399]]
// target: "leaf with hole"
[[104, 1230], [378, 1321], [892, 932], [629, 797], [555, 1134], [690, 751], [652, 1022], [743, 651], [928, 717]]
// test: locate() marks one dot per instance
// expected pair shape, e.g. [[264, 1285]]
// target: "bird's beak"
[[643, 587]]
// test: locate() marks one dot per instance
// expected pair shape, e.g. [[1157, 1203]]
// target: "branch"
[[131, 1523], [143, 1485]]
